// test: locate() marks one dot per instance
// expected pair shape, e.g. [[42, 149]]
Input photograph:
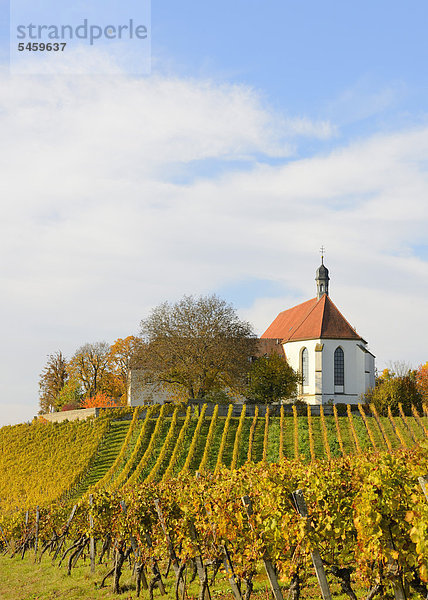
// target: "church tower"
[[322, 279]]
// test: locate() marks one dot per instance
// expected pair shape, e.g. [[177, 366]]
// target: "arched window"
[[304, 367], [339, 367]]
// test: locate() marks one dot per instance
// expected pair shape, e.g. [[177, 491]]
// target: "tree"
[[91, 367], [52, 380], [271, 379], [398, 368], [422, 381], [71, 395], [196, 346], [391, 390], [123, 357]]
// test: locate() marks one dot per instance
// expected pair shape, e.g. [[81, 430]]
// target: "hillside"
[[42, 462]]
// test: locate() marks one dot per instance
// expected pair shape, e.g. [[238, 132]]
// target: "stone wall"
[[71, 415]]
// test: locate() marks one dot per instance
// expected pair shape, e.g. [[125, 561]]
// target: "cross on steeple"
[[322, 277]]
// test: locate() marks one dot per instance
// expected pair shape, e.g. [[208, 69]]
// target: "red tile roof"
[[268, 346], [314, 319]]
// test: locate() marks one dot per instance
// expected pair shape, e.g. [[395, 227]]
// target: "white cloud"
[[94, 231]]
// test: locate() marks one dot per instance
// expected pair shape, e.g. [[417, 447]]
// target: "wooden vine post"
[[36, 535], [24, 545], [397, 584], [227, 563], [270, 570], [4, 538], [64, 533], [302, 509], [91, 539], [138, 565], [172, 555], [233, 582], [202, 573], [423, 482], [155, 568]]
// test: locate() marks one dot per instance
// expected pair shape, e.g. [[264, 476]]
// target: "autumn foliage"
[[100, 400], [94, 375], [422, 381]]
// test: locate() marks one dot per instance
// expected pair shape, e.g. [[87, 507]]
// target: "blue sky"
[[265, 130], [361, 63]]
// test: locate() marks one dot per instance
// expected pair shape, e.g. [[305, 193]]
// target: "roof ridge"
[[297, 306], [323, 312]]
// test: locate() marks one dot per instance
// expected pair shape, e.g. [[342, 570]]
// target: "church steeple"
[[322, 277]]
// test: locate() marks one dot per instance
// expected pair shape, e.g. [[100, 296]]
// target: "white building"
[[141, 392], [318, 341]]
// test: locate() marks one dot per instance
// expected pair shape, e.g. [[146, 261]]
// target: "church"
[[318, 342]]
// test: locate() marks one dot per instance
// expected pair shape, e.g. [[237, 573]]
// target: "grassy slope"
[[113, 440], [110, 448], [288, 438], [200, 446], [26, 580]]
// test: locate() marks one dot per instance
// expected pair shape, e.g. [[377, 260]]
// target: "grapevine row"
[[367, 517]]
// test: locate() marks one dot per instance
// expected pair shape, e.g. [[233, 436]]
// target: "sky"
[[263, 131]]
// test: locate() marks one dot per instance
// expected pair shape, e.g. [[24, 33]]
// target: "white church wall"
[[370, 370], [359, 369], [293, 351], [354, 359]]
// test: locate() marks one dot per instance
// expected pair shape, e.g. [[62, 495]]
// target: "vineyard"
[[191, 496]]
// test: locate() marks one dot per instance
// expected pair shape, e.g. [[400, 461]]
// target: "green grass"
[[200, 446], [243, 446], [363, 436], [110, 448], [288, 438], [304, 449], [186, 443], [330, 424], [348, 442], [318, 440], [257, 451], [273, 440], [230, 442], [26, 580], [389, 431]]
